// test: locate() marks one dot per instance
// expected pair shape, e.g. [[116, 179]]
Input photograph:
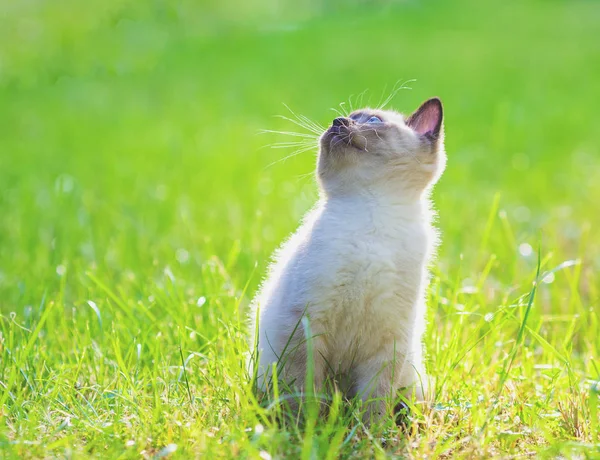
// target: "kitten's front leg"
[[294, 371], [380, 378], [374, 385]]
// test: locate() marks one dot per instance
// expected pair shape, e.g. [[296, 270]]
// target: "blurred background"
[[128, 126], [130, 131], [138, 195]]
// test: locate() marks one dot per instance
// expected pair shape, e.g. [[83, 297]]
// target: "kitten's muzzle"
[[339, 134], [341, 121], [340, 125]]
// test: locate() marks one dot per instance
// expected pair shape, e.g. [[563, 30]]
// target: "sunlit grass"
[[139, 206]]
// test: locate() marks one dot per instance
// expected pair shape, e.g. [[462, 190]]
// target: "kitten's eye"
[[374, 120]]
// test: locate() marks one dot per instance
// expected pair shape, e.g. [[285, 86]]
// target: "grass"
[[138, 211]]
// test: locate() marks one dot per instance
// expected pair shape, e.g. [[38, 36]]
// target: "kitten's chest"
[[370, 293], [376, 267], [369, 266]]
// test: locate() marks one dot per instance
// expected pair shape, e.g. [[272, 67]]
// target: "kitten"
[[356, 267]]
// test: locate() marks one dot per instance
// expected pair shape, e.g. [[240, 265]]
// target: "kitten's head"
[[381, 150]]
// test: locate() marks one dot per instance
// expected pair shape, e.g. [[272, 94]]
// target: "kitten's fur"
[[356, 267]]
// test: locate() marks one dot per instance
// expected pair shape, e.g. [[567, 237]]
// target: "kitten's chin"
[[334, 143], [360, 142]]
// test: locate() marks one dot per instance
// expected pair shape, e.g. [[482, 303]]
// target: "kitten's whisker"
[[303, 177], [302, 121], [381, 97], [293, 154], [306, 141], [288, 133], [308, 122], [366, 130], [302, 125], [337, 112], [298, 123], [285, 145], [395, 91], [342, 106], [313, 129], [366, 142], [312, 123], [361, 97], [341, 139]]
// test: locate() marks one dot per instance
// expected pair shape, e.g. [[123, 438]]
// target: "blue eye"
[[374, 120]]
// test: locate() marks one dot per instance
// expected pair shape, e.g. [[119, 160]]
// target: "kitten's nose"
[[341, 121]]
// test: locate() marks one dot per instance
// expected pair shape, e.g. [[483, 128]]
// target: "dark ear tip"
[[436, 100]]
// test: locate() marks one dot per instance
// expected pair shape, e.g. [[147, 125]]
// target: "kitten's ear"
[[427, 119]]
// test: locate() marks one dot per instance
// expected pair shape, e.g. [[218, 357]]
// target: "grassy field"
[[139, 207]]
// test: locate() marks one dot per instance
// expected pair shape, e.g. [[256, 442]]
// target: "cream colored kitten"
[[357, 266]]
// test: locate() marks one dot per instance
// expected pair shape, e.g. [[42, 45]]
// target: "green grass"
[[138, 211]]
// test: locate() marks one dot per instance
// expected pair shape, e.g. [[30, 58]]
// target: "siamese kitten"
[[352, 278]]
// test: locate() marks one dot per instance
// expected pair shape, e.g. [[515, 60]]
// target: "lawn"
[[139, 205]]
